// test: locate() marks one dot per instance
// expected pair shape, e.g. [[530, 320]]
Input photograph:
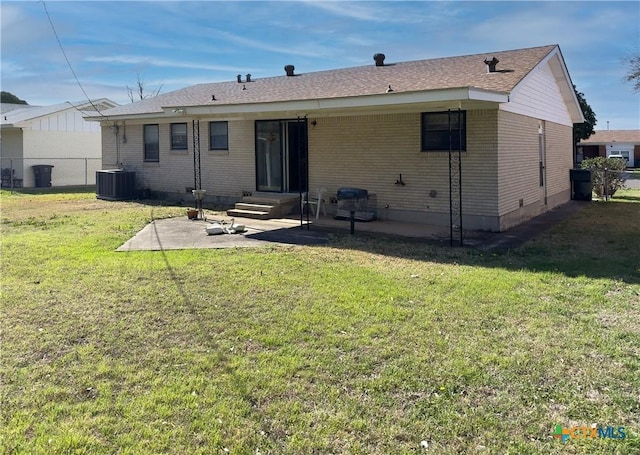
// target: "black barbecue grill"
[[356, 203]]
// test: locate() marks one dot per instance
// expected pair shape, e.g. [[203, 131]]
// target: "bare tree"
[[139, 91], [634, 71]]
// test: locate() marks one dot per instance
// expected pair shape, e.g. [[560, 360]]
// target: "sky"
[[171, 45]]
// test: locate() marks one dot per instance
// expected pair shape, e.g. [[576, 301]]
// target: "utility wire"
[[67, 59]]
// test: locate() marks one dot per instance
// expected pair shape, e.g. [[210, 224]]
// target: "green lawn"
[[365, 345]]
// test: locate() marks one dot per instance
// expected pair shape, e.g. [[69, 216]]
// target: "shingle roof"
[[8, 107], [468, 71], [607, 136], [20, 113], [28, 112]]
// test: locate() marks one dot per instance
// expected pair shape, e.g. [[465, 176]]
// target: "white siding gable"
[[70, 121], [539, 96]]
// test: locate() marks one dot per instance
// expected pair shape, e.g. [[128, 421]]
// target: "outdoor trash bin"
[[582, 184], [42, 174]]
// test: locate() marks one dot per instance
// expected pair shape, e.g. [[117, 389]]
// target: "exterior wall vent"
[[379, 58], [289, 70], [491, 64]]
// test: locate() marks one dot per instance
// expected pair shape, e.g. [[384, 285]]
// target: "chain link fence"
[[606, 182], [23, 172]]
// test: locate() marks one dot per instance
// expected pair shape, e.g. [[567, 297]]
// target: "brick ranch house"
[[384, 127]]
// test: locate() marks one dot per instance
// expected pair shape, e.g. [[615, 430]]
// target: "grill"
[[358, 201]]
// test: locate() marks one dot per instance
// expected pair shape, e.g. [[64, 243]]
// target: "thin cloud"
[[544, 23], [300, 50], [15, 70], [140, 60], [360, 11]]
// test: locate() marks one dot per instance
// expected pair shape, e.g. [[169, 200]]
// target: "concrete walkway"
[[518, 235]]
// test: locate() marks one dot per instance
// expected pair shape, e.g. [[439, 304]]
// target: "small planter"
[[192, 214]]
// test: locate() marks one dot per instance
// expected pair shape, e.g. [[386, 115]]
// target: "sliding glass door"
[[281, 155], [269, 156]]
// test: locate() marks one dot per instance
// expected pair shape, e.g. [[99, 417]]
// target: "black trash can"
[[581, 183], [42, 173]]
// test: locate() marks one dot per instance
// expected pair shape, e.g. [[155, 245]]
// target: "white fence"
[[19, 172]]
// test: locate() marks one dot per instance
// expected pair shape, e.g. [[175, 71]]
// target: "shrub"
[[612, 168]]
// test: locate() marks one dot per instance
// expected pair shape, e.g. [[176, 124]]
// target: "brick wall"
[[521, 196], [371, 151], [225, 173]]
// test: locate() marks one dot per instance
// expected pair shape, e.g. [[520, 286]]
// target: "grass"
[[364, 345], [633, 173]]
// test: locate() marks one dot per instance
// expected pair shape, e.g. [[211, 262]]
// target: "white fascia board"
[[477, 94], [556, 63], [319, 106], [559, 70], [111, 118], [347, 103]]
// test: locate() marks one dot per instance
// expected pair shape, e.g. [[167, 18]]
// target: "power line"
[[67, 59]]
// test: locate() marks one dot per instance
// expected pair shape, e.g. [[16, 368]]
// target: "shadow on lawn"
[[592, 239], [91, 189], [629, 198], [617, 264], [599, 240]]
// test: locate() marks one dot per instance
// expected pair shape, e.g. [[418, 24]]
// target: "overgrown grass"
[[365, 345]]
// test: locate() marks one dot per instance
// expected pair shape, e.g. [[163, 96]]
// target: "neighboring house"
[[382, 127], [56, 136], [611, 142]]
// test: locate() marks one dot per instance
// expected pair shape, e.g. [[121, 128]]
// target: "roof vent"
[[491, 64], [239, 78], [249, 78], [290, 69], [379, 58]]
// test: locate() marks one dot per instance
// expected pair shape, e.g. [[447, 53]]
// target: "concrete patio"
[[181, 233]]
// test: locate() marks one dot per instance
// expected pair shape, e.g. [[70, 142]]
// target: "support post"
[[455, 180], [197, 169]]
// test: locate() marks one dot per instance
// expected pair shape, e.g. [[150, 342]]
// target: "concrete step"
[[271, 199], [253, 214], [255, 207], [264, 206]]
